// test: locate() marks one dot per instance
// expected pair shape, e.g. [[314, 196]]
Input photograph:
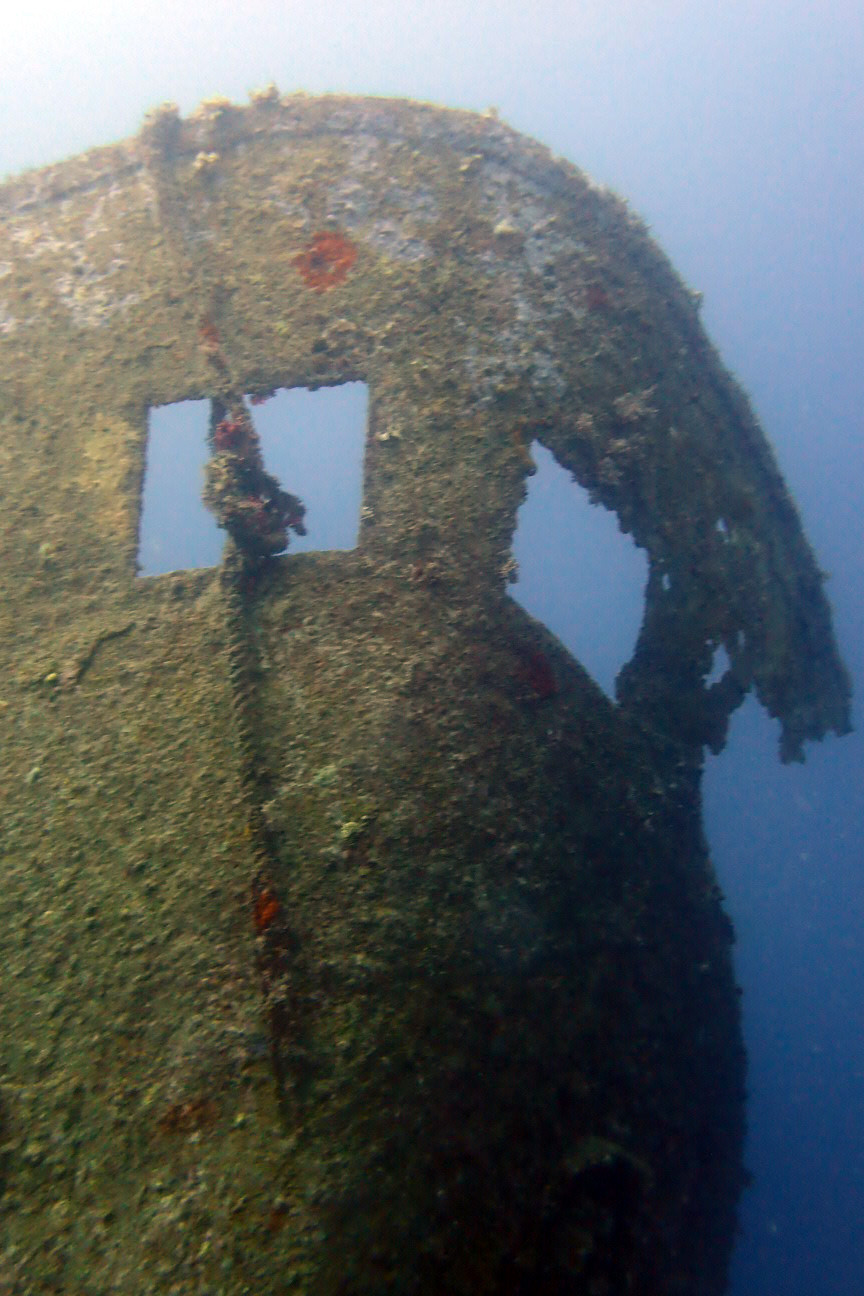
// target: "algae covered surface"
[[354, 940]]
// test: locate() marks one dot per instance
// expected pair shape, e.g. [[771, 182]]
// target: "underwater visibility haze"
[[357, 935]]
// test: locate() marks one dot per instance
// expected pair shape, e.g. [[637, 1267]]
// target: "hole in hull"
[[578, 573]]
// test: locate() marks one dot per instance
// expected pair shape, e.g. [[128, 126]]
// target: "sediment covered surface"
[[354, 941]]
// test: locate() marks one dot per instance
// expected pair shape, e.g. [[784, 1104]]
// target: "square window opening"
[[312, 442]]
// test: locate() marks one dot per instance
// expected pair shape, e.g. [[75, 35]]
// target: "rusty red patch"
[[326, 261], [265, 909]]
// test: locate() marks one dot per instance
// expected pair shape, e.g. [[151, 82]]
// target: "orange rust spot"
[[265, 908], [326, 261], [230, 434]]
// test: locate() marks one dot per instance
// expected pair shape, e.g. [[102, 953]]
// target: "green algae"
[[354, 940]]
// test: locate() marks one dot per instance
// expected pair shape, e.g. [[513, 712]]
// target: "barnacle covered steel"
[[499, 1049]]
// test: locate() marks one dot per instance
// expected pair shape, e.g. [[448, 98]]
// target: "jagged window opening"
[[720, 664], [578, 573]]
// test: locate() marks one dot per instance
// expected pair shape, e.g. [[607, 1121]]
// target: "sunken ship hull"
[[355, 941]]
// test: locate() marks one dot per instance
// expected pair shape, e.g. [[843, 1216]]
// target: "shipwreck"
[[354, 940]]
